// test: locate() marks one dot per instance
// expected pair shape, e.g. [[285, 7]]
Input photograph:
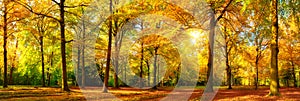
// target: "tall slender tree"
[[108, 57]]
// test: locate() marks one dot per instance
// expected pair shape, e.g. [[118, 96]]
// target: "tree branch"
[[69, 41], [81, 5], [29, 8], [224, 10], [56, 2]]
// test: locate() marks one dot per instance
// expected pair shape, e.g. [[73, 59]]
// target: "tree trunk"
[[63, 47], [274, 86], [294, 74], [116, 83], [83, 68], [141, 66], [43, 63], [228, 69], [125, 74], [148, 73], [83, 55], [256, 65], [155, 69], [5, 82], [210, 72], [116, 64], [106, 77], [78, 63], [256, 79]]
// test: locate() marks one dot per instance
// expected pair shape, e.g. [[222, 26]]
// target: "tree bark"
[[5, 82], [148, 73], [141, 65], [106, 77], [256, 67], [43, 63], [274, 86], [294, 74], [78, 62], [63, 46], [83, 68], [228, 69], [83, 55], [155, 69], [210, 71]]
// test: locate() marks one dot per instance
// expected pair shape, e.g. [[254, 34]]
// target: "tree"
[[274, 86], [10, 15], [61, 20], [258, 34], [213, 23], [106, 77]]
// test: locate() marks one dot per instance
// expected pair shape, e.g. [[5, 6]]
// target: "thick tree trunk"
[[5, 82], [63, 47], [210, 72], [274, 86], [116, 64], [106, 77]]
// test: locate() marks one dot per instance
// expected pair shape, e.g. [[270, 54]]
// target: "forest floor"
[[30, 93]]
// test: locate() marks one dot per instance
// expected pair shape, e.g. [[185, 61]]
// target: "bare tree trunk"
[[274, 86], [148, 73], [106, 77], [63, 46], [51, 65], [210, 66], [155, 69], [5, 82], [78, 63], [83, 55], [294, 74], [83, 68], [141, 66], [228, 69], [43, 63], [256, 67]]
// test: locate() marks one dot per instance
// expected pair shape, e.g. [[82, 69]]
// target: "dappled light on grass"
[[240, 93]]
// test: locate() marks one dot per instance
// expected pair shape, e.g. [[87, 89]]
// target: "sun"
[[195, 33]]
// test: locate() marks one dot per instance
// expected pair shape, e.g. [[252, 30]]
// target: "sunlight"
[[195, 33]]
